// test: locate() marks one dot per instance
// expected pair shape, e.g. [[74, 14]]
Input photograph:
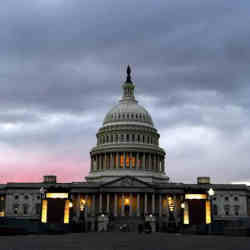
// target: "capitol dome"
[[128, 111], [127, 143]]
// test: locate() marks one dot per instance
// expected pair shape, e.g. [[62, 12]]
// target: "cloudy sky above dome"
[[63, 62]]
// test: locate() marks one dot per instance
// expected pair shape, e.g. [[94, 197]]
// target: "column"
[[122, 204], [130, 204], [155, 163], [108, 201], [186, 213], [86, 206], [138, 204], [115, 205], [112, 160], [149, 161], [153, 203], [105, 161], [99, 162], [91, 159], [100, 203], [124, 160], [93, 205], [78, 207], [145, 203], [130, 159], [160, 205], [175, 208], [167, 208], [163, 165], [159, 161], [119, 160], [143, 161], [137, 161]]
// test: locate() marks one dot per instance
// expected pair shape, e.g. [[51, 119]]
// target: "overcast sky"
[[63, 62]]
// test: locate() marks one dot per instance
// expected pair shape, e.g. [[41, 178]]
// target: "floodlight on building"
[[210, 192], [126, 201]]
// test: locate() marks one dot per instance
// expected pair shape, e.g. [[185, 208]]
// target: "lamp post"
[[42, 193], [211, 194]]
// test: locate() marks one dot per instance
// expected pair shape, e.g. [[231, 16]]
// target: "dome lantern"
[[128, 87]]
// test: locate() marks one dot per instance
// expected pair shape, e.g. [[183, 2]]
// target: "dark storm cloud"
[[67, 59]]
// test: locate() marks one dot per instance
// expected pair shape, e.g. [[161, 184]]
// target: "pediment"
[[127, 181]]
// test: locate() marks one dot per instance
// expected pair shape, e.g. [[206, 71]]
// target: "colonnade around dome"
[[128, 160]]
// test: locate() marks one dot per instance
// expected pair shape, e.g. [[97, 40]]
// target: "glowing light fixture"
[[2, 214], [171, 204], [195, 196], [70, 204], [57, 195], [66, 212], [126, 201], [208, 212], [44, 211], [210, 192], [182, 205], [186, 214], [82, 204]]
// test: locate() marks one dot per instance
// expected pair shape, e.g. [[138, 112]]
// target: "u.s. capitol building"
[[127, 183]]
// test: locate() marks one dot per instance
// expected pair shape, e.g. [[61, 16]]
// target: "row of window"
[[234, 210], [127, 138], [24, 209], [226, 198], [26, 197], [129, 116]]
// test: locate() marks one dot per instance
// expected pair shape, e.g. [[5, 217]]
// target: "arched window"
[[143, 138], [116, 138], [138, 138], [127, 138], [15, 208], [122, 138], [107, 139], [236, 210], [103, 139], [148, 139], [227, 209], [25, 208], [133, 138], [111, 138]]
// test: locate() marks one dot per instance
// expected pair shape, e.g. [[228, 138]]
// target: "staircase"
[[131, 222]]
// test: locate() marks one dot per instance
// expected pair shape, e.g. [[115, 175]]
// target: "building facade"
[[127, 183]]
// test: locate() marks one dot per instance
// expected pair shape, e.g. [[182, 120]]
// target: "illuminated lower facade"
[[107, 206]]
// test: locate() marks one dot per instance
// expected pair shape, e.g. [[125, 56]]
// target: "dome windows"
[[127, 138]]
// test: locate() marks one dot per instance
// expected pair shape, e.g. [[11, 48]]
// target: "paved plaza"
[[123, 241]]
